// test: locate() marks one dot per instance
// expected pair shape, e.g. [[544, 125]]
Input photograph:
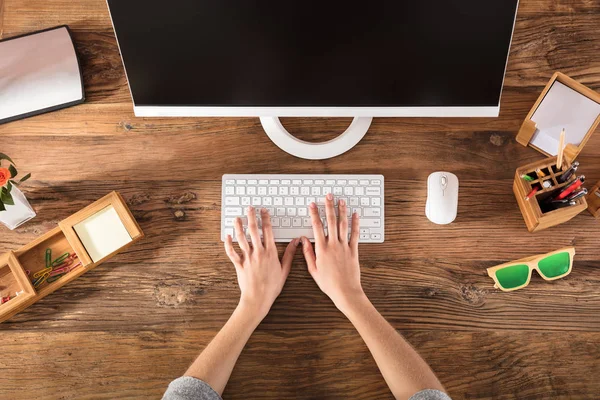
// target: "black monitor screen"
[[314, 53]]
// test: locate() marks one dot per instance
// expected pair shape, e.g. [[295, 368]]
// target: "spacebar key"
[[283, 233]]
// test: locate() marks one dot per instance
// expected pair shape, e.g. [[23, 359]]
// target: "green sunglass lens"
[[555, 265], [513, 276]]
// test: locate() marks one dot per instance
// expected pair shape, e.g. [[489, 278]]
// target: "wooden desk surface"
[[125, 329]]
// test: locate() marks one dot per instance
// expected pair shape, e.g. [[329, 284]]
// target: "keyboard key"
[[372, 212], [337, 191], [316, 191], [262, 190], [286, 182], [232, 201], [375, 201], [245, 201], [330, 182], [285, 222], [370, 223], [358, 212], [364, 182], [274, 182], [376, 236], [229, 221], [229, 231], [267, 201], [277, 201], [353, 201], [319, 182], [375, 182], [373, 191], [364, 230], [291, 211], [326, 190], [294, 191], [233, 211], [353, 182], [307, 221], [307, 182], [275, 221], [230, 182], [240, 190], [263, 181], [229, 190], [364, 237], [280, 211], [288, 201], [348, 191], [272, 190], [359, 191], [296, 182], [297, 222], [310, 200], [305, 191], [252, 182], [271, 210], [364, 201], [299, 201], [292, 233], [283, 190], [341, 182], [241, 182], [302, 212], [256, 201], [251, 190]]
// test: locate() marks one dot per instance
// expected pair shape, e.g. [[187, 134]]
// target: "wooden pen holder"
[[536, 212]]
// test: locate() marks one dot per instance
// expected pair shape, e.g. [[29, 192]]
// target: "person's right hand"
[[334, 266]]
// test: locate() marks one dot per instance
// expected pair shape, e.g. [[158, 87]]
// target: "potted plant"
[[14, 207]]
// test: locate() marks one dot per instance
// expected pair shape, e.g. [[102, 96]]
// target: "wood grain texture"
[[126, 328]]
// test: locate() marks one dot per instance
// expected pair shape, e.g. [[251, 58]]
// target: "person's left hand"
[[260, 274]]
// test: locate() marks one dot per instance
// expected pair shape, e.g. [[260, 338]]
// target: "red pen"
[[569, 189], [532, 193]]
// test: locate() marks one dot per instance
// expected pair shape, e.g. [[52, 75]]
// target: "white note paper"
[[102, 233], [563, 107]]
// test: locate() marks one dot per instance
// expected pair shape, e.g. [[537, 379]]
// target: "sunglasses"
[[517, 274]]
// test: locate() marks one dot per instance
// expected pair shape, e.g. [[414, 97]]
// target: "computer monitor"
[[381, 58]]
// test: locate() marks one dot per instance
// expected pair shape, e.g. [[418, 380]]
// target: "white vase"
[[19, 213]]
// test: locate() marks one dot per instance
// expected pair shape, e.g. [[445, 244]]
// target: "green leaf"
[[6, 197], [23, 179], [5, 157], [2, 208], [13, 171], [9, 187]]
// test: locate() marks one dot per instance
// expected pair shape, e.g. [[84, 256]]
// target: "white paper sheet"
[[563, 107], [102, 233]]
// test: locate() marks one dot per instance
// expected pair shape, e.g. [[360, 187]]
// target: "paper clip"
[[40, 280], [48, 258], [60, 259], [42, 272]]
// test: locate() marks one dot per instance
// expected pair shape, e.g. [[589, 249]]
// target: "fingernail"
[[342, 202], [329, 196], [313, 205], [250, 208], [263, 210], [296, 241]]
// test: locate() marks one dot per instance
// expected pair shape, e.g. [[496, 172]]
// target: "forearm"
[[215, 364], [403, 369]]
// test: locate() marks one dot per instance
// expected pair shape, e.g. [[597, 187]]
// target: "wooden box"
[[593, 200], [18, 269], [536, 214]]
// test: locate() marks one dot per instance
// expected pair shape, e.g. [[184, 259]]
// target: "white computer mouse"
[[442, 197]]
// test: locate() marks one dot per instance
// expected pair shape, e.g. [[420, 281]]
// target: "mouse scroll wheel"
[[444, 181]]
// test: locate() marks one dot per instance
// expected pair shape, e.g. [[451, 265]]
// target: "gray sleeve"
[[430, 394], [190, 388]]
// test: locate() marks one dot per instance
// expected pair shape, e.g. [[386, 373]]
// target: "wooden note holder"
[[31, 257], [528, 127], [593, 200]]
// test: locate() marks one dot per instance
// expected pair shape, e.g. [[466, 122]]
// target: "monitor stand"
[[316, 151]]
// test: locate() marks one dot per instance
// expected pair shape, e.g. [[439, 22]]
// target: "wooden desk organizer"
[[537, 216], [32, 257], [593, 200], [528, 127]]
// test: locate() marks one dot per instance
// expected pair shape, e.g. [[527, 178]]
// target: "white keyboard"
[[287, 198]]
